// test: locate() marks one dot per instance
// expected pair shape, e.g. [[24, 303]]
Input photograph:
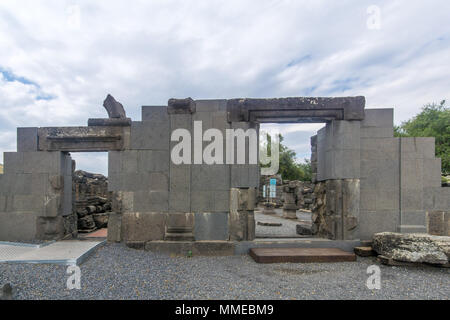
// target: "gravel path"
[[117, 272], [286, 230]]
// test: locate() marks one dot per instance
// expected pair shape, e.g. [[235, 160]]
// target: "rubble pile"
[[92, 201]]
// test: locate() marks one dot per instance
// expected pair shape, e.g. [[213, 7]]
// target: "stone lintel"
[[81, 139], [109, 122], [299, 109]]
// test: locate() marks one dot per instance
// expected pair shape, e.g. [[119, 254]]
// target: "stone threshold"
[[228, 248]]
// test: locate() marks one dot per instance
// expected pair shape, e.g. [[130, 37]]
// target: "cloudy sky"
[[59, 59]]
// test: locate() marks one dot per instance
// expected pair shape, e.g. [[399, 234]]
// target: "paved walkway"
[[61, 252]]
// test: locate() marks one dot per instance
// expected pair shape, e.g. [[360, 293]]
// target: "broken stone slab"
[[394, 263], [413, 247], [114, 108], [177, 106], [269, 224], [364, 251], [304, 230]]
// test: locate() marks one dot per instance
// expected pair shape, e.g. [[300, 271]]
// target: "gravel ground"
[[287, 229], [117, 272]]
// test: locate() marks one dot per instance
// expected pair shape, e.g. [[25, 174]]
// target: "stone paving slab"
[[300, 255], [70, 252]]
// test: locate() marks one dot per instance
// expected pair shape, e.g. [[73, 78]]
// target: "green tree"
[[432, 121], [289, 167]]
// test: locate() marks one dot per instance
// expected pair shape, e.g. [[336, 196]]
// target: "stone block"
[[115, 182], [179, 201], [368, 200], [202, 201], [143, 226], [240, 175], [346, 164], [431, 173], [13, 162], [17, 226], [346, 135], [211, 105], [371, 222], [153, 161], [411, 199], [210, 177], [21, 184], [43, 162], [181, 106], [129, 161], [387, 199], [438, 223], [50, 228], [29, 203], [150, 135], [146, 201], [414, 217], [27, 139], [377, 132], [221, 200], [114, 162], [114, 227], [418, 148], [180, 177], [412, 173], [155, 113], [383, 117]]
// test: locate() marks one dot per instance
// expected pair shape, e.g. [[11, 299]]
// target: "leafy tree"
[[432, 121], [289, 167]]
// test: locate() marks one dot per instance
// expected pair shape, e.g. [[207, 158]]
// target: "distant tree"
[[289, 167], [432, 121]]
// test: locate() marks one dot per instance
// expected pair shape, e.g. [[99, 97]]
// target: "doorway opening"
[[285, 199], [91, 200]]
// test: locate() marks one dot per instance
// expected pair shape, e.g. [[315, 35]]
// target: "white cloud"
[[147, 52]]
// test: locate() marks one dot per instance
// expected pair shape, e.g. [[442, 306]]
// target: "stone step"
[[300, 255]]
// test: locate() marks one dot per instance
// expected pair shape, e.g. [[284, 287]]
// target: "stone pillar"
[[241, 220], [290, 207]]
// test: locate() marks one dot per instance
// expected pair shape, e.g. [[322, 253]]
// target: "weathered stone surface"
[[304, 230], [114, 108], [412, 247], [82, 139], [176, 106], [143, 226], [302, 109], [438, 223], [364, 251], [242, 204], [112, 122]]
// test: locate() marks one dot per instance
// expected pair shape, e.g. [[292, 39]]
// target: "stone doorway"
[[91, 199], [285, 200]]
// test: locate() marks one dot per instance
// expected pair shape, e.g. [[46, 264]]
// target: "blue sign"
[[273, 181]]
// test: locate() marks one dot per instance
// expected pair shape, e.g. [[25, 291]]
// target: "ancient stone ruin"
[[366, 180], [92, 201]]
